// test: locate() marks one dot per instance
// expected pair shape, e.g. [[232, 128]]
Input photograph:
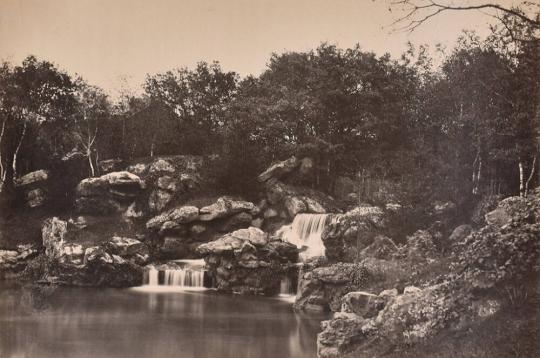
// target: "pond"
[[55, 322]]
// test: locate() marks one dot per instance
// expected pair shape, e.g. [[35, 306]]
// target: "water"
[[306, 232], [188, 274], [46, 322]]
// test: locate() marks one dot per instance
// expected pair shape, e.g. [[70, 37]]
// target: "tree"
[[417, 12], [36, 100], [199, 99], [91, 112]]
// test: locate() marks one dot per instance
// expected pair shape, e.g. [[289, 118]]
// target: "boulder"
[[313, 206], [53, 233], [346, 235], [32, 178], [160, 166], [35, 197], [278, 170], [173, 218], [110, 165], [224, 207], [234, 241], [340, 336], [459, 233], [244, 261], [514, 207], [294, 206], [109, 193], [322, 288], [363, 304], [15, 261], [124, 246]]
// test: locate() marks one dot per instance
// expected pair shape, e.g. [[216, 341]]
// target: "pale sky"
[[103, 40]]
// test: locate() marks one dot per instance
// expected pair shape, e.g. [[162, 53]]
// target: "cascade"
[[179, 274], [306, 232]]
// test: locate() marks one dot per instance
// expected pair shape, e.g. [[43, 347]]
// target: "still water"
[[48, 322]]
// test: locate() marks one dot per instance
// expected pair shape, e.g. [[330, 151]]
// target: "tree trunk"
[[16, 153], [521, 183], [92, 171], [533, 169], [3, 170]]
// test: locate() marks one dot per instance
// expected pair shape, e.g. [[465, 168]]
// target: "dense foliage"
[[450, 131]]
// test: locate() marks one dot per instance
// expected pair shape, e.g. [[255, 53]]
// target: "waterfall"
[[177, 274], [306, 232]]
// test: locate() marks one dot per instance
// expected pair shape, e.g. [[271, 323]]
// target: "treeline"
[[441, 131]]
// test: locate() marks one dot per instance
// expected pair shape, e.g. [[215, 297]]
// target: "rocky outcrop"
[[246, 261], [109, 193], [34, 187], [348, 234], [181, 229], [14, 261], [321, 288], [67, 261], [503, 255]]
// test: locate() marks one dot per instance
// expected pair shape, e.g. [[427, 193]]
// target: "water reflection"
[[73, 322]]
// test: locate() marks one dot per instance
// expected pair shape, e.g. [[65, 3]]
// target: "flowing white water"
[[305, 232], [181, 274]]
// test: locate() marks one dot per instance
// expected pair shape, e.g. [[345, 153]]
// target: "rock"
[[346, 235], [138, 169], [382, 247], [363, 304], [253, 235], [389, 293], [159, 199], [275, 192], [166, 183], [258, 223], [234, 241], [443, 208], [174, 218], [459, 233], [71, 254], [270, 213], [411, 289], [108, 193], [514, 207], [224, 207], [240, 220], [313, 206], [278, 170], [174, 248], [53, 234], [414, 315], [161, 165], [340, 336], [32, 178], [110, 165], [35, 197], [197, 229], [323, 287], [245, 262], [486, 204], [294, 206], [124, 246]]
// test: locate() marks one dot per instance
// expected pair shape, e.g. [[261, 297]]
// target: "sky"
[[106, 41]]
